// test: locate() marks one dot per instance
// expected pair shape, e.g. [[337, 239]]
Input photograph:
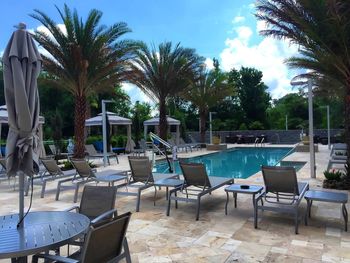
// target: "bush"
[[243, 127], [256, 125], [92, 139], [333, 175]]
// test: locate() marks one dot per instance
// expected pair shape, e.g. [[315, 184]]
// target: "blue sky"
[[225, 29]]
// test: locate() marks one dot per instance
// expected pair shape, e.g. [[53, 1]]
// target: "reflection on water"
[[238, 163]]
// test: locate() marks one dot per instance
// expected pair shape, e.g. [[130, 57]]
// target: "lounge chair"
[[52, 172], [103, 243], [283, 193], [86, 175], [55, 153], [191, 145], [142, 177], [180, 146], [92, 153], [197, 183]]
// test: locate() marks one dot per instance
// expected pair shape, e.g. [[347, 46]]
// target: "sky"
[[222, 29]]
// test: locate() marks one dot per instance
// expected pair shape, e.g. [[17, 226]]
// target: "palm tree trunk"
[[347, 127], [163, 124], [79, 125], [203, 120]]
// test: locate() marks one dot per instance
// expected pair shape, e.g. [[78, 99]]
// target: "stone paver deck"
[[154, 237]]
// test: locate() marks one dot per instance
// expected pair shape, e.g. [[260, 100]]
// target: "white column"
[[311, 132], [129, 146], [42, 152], [177, 134], [210, 130], [104, 133], [145, 128]]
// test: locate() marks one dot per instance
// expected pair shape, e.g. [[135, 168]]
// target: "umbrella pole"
[[21, 197]]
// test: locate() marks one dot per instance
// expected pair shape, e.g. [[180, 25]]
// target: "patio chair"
[[87, 175], [191, 145], [197, 183], [55, 153], [142, 177], [180, 145], [92, 153], [102, 244], [283, 193], [52, 172]]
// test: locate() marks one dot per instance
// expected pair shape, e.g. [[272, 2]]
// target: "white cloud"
[[268, 55], [209, 63], [238, 19], [135, 93]]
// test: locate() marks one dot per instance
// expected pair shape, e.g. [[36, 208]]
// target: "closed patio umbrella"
[[21, 67]]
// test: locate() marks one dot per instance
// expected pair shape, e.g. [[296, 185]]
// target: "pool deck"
[[154, 237]]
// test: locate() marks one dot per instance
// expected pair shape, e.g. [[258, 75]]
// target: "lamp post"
[[211, 127], [328, 127], [311, 124], [104, 130], [286, 122]]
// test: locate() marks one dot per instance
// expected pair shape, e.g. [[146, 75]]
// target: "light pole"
[[104, 130], [328, 127], [311, 124], [286, 122], [211, 127]]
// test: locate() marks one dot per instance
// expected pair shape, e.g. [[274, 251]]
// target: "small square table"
[[328, 197], [166, 180], [236, 188]]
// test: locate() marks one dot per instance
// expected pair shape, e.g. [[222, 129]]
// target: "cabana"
[[4, 119], [155, 122], [114, 120]]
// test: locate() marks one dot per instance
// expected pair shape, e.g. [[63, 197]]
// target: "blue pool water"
[[236, 163]]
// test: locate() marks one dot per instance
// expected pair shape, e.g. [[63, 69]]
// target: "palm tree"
[[163, 72], [210, 88], [321, 29], [84, 59]]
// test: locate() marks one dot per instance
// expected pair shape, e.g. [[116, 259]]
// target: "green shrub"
[[333, 175], [243, 127], [92, 139], [256, 125]]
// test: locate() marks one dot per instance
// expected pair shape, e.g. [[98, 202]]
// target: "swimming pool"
[[235, 163]]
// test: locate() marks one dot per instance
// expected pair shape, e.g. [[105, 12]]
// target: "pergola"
[[114, 120], [4, 118], [155, 122]]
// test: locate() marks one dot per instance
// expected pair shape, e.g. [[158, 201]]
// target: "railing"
[[157, 142]]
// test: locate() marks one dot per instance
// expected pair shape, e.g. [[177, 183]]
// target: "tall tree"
[[321, 30], [84, 58], [162, 73], [140, 113], [210, 88], [252, 94]]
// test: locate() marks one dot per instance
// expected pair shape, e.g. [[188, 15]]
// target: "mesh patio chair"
[[197, 183], [87, 175], [283, 193], [142, 177], [55, 153], [102, 244], [52, 172], [92, 153]]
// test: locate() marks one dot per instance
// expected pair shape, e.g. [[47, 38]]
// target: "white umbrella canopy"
[[21, 67]]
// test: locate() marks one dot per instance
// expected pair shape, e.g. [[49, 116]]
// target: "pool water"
[[235, 163]]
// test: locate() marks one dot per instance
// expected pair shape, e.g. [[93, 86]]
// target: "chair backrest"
[[97, 200], [90, 149], [141, 169], [82, 168], [51, 166], [280, 179], [195, 174], [105, 242], [53, 149]]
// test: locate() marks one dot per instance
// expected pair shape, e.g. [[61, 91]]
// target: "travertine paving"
[[154, 237]]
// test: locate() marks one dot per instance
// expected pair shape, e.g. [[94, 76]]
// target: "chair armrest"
[[57, 258], [103, 216], [75, 207]]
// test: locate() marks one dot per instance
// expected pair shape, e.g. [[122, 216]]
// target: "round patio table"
[[41, 231]]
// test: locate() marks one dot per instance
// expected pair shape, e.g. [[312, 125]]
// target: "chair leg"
[[169, 204], [75, 199], [345, 215], [155, 196], [256, 214], [58, 190], [126, 251], [198, 207], [296, 221], [138, 200], [43, 188]]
